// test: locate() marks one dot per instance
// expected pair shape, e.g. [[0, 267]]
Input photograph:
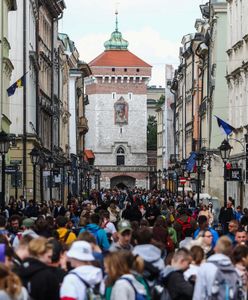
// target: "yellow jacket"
[[62, 234]]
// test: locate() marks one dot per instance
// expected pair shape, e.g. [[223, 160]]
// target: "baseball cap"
[[81, 250], [123, 226], [28, 222]]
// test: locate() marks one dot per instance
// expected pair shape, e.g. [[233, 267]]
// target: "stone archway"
[[122, 182]]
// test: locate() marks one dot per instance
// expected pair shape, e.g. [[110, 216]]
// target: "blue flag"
[[18, 84], [228, 129], [191, 162]]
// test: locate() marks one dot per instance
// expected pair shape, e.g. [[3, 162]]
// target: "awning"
[[89, 154]]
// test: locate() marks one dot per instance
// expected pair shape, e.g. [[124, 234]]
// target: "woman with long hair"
[[10, 285], [120, 267]]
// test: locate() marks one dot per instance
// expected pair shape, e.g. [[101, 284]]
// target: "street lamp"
[[68, 169], [97, 173], [170, 176], [225, 151], [35, 157], [183, 167], [50, 166], [159, 172], [88, 180], [198, 163], [165, 172], [4, 148], [177, 170]]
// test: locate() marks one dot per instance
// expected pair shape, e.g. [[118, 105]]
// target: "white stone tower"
[[117, 114]]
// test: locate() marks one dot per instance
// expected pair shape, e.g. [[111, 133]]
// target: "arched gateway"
[[122, 182]]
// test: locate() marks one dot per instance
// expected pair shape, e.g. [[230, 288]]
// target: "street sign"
[[15, 162], [16, 180], [182, 180], [234, 174], [11, 169]]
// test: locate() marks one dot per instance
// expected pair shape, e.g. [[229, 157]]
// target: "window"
[[113, 69], [130, 96], [120, 157], [114, 95], [137, 70], [125, 70]]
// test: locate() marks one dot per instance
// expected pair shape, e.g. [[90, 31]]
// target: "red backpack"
[[185, 225]]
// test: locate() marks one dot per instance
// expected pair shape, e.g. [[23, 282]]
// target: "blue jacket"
[[99, 234], [214, 233]]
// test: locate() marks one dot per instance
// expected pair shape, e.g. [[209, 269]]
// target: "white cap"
[[81, 250]]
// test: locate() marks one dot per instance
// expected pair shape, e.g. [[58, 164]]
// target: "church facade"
[[117, 114]]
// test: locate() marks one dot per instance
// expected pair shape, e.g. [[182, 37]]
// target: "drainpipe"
[[37, 123], [24, 157], [1, 41], [174, 119], [192, 95], [52, 86], [185, 82]]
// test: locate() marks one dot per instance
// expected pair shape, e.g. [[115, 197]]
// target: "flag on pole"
[[227, 128], [19, 83], [191, 162]]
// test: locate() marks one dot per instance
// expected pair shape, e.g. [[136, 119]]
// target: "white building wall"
[[16, 56], [72, 110]]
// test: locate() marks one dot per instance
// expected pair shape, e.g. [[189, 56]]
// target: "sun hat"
[[81, 250], [124, 225]]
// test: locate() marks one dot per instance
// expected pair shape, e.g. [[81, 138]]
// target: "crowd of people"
[[123, 245]]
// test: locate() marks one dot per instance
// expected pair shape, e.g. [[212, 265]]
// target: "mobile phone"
[[2, 252]]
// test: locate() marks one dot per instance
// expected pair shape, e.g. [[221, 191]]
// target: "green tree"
[[152, 133], [160, 101]]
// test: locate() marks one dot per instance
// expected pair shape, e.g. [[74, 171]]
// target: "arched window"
[[120, 156]]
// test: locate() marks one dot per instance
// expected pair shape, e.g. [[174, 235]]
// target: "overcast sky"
[[154, 29]]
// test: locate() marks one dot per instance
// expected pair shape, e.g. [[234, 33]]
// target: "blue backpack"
[[138, 295]]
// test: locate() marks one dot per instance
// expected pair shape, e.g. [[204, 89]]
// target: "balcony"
[[83, 125]]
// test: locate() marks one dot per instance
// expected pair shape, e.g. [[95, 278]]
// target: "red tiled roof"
[[118, 58]]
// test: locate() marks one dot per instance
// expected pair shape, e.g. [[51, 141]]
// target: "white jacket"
[[73, 288], [206, 276]]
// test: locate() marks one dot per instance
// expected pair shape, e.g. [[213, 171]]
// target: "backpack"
[[138, 295], [185, 225], [160, 290], [92, 293], [227, 283], [150, 272]]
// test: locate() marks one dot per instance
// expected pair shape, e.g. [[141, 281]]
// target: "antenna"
[[116, 15]]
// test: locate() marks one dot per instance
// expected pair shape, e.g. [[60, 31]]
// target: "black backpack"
[[151, 272]]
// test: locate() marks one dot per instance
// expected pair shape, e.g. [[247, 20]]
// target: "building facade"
[[36, 108], [6, 69], [117, 114], [237, 80]]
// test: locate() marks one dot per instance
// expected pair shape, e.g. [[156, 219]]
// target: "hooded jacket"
[[39, 280], [206, 275], [99, 234], [73, 288], [150, 253]]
